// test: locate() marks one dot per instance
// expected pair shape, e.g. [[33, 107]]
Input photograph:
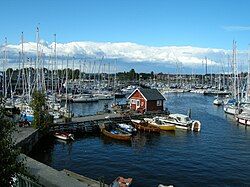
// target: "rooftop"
[[150, 94]]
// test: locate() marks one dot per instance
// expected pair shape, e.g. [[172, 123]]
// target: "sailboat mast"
[[66, 83], [248, 75], [56, 65], [4, 68], [52, 76], [23, 74], [37, 57]]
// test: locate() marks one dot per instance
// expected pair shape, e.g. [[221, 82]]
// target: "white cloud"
[[187, 56], [236, 28]]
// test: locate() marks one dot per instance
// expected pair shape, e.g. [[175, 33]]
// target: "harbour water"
[[216, 156]]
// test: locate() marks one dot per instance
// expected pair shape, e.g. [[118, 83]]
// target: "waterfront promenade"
[[23, 133], [26, 138]]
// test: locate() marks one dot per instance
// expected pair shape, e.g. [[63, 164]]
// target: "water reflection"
[[109, 141]]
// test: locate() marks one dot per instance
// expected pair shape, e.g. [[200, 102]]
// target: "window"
[[138, 103], [133, 101], [159, 103]]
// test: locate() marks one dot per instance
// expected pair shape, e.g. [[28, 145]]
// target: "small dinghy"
[[114, 133], [126, 127], [218, 101], [121, 182], [64, 136]]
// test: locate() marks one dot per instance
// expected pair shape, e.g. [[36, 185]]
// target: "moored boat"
[[231, 109], [121, 182], [218, 101], [126, 128], [160, 124], [181, 121], [64, 135], [141, 125], [243, 118], [115, 133]]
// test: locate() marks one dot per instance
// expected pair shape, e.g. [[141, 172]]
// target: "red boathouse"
[[146, 100]]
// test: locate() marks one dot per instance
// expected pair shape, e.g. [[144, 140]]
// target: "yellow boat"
[[160, 124]]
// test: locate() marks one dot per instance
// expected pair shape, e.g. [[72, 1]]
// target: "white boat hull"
[[64, 137], [233, 110]]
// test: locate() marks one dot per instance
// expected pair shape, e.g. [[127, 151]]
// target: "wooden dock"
[[88, 123]]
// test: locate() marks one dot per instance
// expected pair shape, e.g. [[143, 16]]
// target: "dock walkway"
[[99, 117], [86, 123]]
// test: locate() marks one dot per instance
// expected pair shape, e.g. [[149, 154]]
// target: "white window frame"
[[159, 103], [133, 101]]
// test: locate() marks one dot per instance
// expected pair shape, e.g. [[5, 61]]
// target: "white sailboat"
[[64, 110], [232, 106]]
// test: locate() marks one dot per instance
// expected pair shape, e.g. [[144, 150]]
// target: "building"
[[146, 100]]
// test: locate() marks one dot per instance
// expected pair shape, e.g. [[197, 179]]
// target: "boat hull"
[[231, 110], [122, 137], [243, 120], [64, 136], [147, 128], [167, 127]]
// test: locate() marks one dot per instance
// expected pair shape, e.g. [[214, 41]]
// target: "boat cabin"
[[180, 118], [146, 100]]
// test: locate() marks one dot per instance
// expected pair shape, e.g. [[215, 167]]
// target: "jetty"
[[88, 123], [27, 137]]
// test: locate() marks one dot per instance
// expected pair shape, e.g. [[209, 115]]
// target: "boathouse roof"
[[149, 94]]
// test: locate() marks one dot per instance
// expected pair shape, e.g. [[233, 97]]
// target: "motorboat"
[[65, 112], [182, 121], [9, 103], [55, 114], [27, 114], [218, 101], [126, 127], [54, 106], [141, 125], [64, 136], [121, 182], [103, 96], [160, 124], [82, 98]]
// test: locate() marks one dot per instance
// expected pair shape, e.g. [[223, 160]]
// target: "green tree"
[[131, 74], [9, 164], [42, 119], [76, 74], [152, 74]]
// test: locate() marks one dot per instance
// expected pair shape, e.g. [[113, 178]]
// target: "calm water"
[[217, 156]]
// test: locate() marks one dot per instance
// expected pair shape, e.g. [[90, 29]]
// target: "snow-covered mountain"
[[186, 56]]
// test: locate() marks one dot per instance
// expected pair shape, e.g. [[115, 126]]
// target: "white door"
[[137, 104]]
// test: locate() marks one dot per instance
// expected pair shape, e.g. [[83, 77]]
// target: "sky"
[[197, 23]]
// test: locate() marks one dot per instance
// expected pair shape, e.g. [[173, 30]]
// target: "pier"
[[27, 137], [48, 176], [88, 123]]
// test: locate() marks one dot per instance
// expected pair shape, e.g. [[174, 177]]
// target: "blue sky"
[[202, 23]]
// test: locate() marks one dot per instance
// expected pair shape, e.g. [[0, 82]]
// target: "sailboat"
[[232, 106], [218, 101], [64, 110]]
